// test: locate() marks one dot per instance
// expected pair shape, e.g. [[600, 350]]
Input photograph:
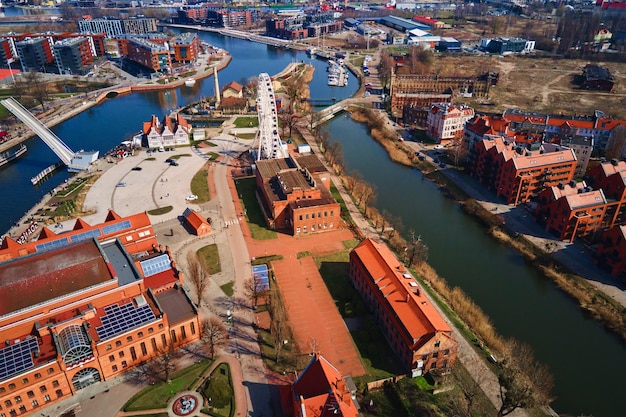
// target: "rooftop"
[[175, 303]]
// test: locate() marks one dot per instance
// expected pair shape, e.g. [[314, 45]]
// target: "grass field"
[[199, 185], [210, 257], [246, 188]]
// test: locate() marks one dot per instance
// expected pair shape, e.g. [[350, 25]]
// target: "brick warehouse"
[[97, 301]]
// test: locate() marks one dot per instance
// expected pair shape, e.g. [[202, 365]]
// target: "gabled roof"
[[233, 85], [194, 219], [400, 290], [321, 390]]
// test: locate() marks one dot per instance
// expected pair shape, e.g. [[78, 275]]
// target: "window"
[[160, 325], [183, 332], [11, 386], [144, 351], [55, 383], [437, 343], [111, 358], [24, 381], [22, 409], [43, 389], [30, 394], [8, 403], [59, 393], [118, 343], [46, 398], [150, 330], [37, 375], [2, 390], [163, 340], [129, 338], [173, 335], [108, 347], [133, 354], [18, 399], [114, 368], [154, 345], [446, 352], [140, 334], [124, 364], [34, 403], [193, 327], [436, 355], [121, 354]]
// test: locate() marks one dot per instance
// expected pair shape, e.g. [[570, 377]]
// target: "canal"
[[588, 363]]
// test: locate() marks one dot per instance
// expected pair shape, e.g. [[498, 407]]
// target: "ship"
[[12, 154], [190, 82]]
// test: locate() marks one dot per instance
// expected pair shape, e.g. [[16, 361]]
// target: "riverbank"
[[606, 309]]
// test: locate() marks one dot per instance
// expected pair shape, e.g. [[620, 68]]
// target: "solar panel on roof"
[[119, 319], [155, 265], [17, 358], [112, 228]]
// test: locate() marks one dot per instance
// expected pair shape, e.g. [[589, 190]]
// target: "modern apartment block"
[[519, 173], [151, 55], [73, 56], [186, 47], [418, 334], [295, 195], [34, 53], [85, 306], [116, 27]]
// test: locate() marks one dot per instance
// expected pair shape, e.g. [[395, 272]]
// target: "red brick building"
[[611, 251], [186, 47], [295, 195], [95, 301], [196, 223], [572, 210], [519, 173], [420, 337], [321, 390], [609, 176]]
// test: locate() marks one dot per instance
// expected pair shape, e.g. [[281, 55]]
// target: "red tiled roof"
[[409, 303], [234, 85]]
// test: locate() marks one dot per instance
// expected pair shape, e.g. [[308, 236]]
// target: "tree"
[[617, 142], [292, 91], [197, 275], [470, 387], [163, 365], [523, 382], [385, 68], [214, 334], [458, 149], [254, 288], [278, 327], [417, 250], [38, 88]]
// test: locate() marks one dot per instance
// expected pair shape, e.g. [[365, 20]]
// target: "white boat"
[[333, 79], [189, 82]]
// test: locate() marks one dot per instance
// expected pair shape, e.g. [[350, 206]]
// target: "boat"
[[333, 79], [189, 82], [12, 154]]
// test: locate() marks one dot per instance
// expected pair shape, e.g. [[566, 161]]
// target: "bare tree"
[[163, 365], [523, 382], [38, 88], [470, 387], [292, 91], [214, 335], [458, 149], [385, 68], [197, 275], [278, 327], [417, 250], [254, 288], [617, 142]]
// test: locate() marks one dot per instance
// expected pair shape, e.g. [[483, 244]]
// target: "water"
[[588, 363], [104, 126]]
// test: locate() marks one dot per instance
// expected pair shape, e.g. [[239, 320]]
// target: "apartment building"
[[418, 334], [445, 121], [519, 173]]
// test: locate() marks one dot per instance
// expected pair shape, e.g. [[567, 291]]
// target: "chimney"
[[218, 99]]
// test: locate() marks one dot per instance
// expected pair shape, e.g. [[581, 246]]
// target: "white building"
[[170, 132], [446, 121]]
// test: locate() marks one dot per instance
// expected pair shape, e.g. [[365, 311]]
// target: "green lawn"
[[219, 388], [246, 188], [246, 135], [337, 196], [228, 288], [379, 359], [210, 256], [246, 121], [158, 395], [200, 187], [161, 210], [180, 155]]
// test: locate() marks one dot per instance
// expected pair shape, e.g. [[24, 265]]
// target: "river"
[[519, 301]]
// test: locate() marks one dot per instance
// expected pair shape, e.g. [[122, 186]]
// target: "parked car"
[[191, 197], [169, 160], [174, 163], [439, 147], [136, 168], [120, 184]]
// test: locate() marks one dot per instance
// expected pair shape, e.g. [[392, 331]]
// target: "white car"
[[191, 197], [439, 147]]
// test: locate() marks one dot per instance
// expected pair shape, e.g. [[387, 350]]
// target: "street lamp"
[[10, 61]]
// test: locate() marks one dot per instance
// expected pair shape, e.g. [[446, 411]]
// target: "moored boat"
[[12, 154], [189, 82]]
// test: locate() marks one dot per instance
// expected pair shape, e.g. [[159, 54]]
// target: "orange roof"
[[194, 219], [6, 73], [320, 390], [567, 189], [609, 169], [234, 85], [590, 198], [400, 291]]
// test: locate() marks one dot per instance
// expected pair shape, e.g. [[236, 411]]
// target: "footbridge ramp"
[[63, 151]]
